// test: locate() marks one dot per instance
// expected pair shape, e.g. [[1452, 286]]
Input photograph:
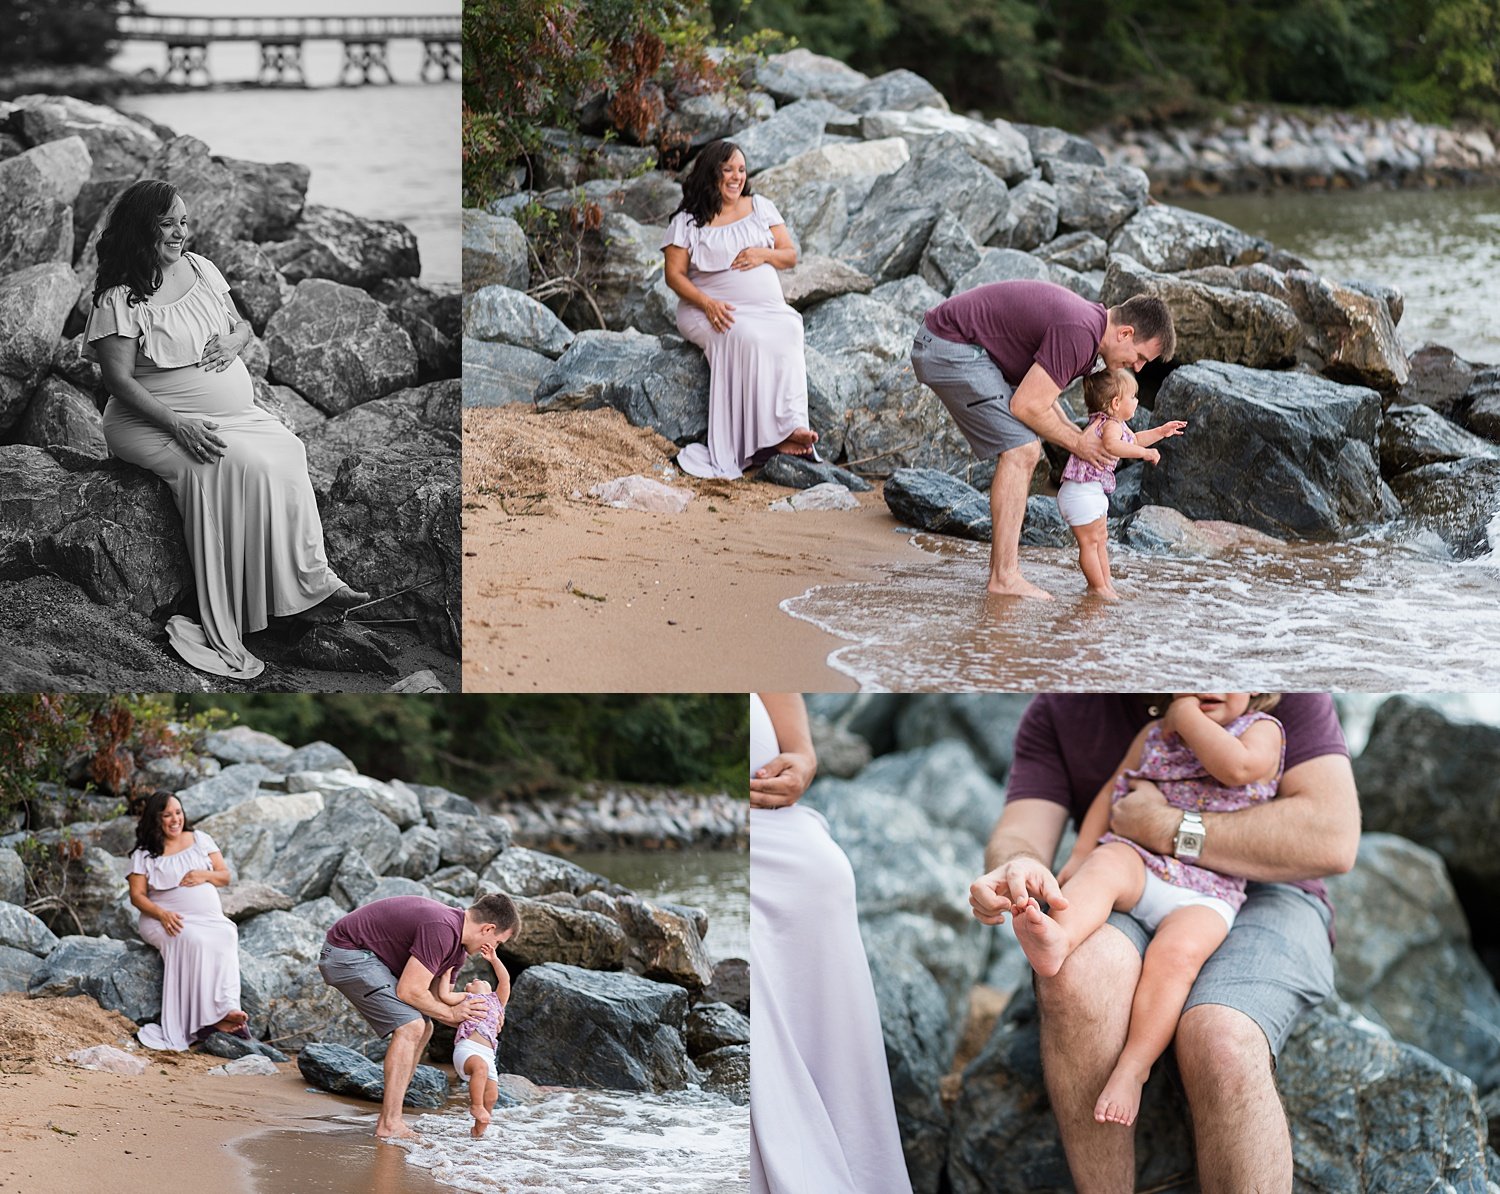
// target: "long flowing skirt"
[[250, 517], [821, 1115], [201, 983], [757, 392]]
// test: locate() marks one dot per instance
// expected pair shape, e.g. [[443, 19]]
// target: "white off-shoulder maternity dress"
[[250, 517], [821, 1115], [757, 372]]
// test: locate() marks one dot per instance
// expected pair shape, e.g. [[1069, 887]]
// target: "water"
[[717, 881], [1442, 248], [384, 152], [1369, 615]]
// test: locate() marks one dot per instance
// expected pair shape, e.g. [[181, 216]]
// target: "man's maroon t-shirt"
[[1069, 744], [404, 927], [1021, 324]]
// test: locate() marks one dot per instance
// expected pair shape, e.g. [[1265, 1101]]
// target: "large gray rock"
[[894, 91], [120, 976], [1053, 144], [1405, 960], [712, 1026], [420, 854], [119, 145], [817, 215], [344, 1072], [494, 252], [833, 389], [801, 74], [998, 146], [572, 936], [469, 841], [1097, 199], [255, 284], [40, 186], [12, 877], [1309, 444], [728, 1073], [241, 901], [1003, 265], [1436, 377], [987, 723], [609, 1031], [861, 332], [395, 801], [794, 129], [798, 472], [1081, 251], [241, 744], [16, 968], [60, 415], [853, 168], [496, 313], [1160, 530], [950, 254], [1414, 435], [34, 304], [350, 821], [19, 929], [1168, 240], [275, 194], [498, 374], [422, 419], [912, 296], [345, 248], [930, 500], [1457, 499], [903, 424], [1351, 334], [653, 383], [1481, 404], [337, 347], [1030, 218], [522, 872], [233, 785], [817, 278], [663, 944]]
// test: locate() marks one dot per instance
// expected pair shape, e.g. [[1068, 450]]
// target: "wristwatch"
[[1188, 843]]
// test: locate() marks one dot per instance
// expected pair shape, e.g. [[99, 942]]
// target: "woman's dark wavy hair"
[[700, 189], [148, 834], [127, 247]]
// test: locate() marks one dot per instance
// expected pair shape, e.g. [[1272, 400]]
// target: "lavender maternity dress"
[[821, 1115], [201, 983], [757, 390], [250, 517]]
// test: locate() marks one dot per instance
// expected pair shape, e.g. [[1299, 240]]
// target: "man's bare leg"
[[1239, 1125], [1084, 1022], [407, 1044], [1012, 479]]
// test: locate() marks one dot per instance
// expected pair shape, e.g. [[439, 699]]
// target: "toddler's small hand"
[[1153, 456], [1173, 427]]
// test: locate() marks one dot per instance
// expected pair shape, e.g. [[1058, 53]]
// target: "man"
[[391, 957], [998, 356], [1276, 962]]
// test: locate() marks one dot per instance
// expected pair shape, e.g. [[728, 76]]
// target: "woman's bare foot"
[[481, 1121], [1042, 939], [232, 1022], [333, 607], [1121, 1100], [799, 443]]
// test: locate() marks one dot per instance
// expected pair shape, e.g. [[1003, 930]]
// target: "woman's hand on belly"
[[220, 351], [198, 439], [750, 258], [719, 317]]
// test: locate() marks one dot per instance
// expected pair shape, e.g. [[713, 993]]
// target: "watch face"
[[1191, 843]]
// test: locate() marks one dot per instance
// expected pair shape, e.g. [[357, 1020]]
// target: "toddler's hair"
[[1264, 702], [1102, 388]]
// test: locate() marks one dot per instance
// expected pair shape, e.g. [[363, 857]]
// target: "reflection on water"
[[573, 1142], [718, 881], [1442, 248], [1367, 615]]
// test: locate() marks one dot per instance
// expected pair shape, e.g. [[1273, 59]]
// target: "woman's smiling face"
[[171, 817], [171, 233], [732, 178]]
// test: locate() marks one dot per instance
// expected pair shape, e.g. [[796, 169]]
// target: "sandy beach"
[[176, 1124], [564, 593]]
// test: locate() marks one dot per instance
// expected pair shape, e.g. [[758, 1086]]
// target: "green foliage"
[[59, 32]]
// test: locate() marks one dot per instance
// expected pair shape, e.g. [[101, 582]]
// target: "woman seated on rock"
[[723, 248], [167, 338], [174, 874]]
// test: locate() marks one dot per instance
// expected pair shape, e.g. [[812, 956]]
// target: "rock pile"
[[1390, 1086], [613, 989], [603, 817], [352, 353]]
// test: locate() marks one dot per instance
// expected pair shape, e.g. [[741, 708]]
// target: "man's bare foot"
[[799, 443], [481, 1121], [1042, 939], [1016, 586], [396, 1131], [1121, 1100]]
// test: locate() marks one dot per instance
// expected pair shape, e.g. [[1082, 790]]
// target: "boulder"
[[817, 278], [19, 929], [609, 1031], [1003, 265], [337, 347], [12, 877], [432, 317], [241, 744], [1481, 404], [1351, 334], [1414, 435], [439, 800], [342, 1071], [119, 145], [522, 872], [728, 1073], [354, 883], [572, 936], [1053, 144], [60, 414], [894, 91], [232, 786], [1308, 442], [34, 304], [912, 296], [796, 128], [950, 254], [905, 425], [40, 186], [497, 374], [817, 216], [833, 388], [1212, 323], [1081, 251], [942, 775], [274, 194], [1436, 377], [1168, 240], [662, 384], [315, 756], [663, 944], [801, 74], [798, 472], [1456, 499], [395, 801], [731, 985], [697, 119], [121, 976], [1030, 218], [347, 647], [241, 901], [255, 284], [1097, 199], [420, 853], [494, 313], [998, 147], [469, 841], [494, 252], [853, 168], [353, 823], [1161, 530], [860, 331], [713, 1026], [930, 500], [423, 419], [341, 247], [16, 968], [235, 1048]]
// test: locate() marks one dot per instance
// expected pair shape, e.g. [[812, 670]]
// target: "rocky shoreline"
[[605, 817], [308, 839], [896, 203], [1392, 1085], [351, 353]]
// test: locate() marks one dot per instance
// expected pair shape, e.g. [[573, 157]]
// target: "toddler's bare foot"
[[799, 443], [481, 1121], [1121, 1100], [1108, 594], [1042, 939]]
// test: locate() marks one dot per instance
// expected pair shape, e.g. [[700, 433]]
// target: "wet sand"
[[564, 593]]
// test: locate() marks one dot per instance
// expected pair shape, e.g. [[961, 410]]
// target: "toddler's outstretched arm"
[[1163, 431], [502, 975], [1115, 445], [442, 987]]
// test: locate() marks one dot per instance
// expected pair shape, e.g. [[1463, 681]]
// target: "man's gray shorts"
[[364, 981], [973, 389], [1275, 964]]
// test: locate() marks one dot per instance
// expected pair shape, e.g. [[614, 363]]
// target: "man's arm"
[[1035, 404], [415, 988], [1310, 830]]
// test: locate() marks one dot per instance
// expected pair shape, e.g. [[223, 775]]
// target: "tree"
[[60, 32]]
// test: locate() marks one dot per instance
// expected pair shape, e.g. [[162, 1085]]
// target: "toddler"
[[1083, 496], [475, 1041], [1212, 752]]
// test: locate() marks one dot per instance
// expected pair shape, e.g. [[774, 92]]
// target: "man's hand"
[[1091, 450], [782, 781], [1011, 887], [472, 1008], [1144, 817]]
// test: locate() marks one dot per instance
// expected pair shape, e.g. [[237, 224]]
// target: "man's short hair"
[[498, 910], [1151, 319]]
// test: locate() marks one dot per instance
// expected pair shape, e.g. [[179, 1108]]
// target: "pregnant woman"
[[821, 1116], [175, 874], [167, 338], [723, 248]]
